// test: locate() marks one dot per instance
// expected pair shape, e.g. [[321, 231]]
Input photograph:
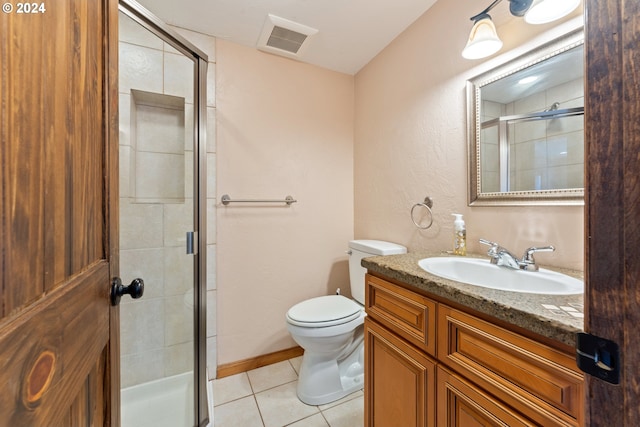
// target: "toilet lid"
[[323, 311]]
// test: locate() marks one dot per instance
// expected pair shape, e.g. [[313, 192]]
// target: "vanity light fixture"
[[483, 39], [543, 11]]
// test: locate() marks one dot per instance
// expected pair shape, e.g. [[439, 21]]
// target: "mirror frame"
[[474, 86]]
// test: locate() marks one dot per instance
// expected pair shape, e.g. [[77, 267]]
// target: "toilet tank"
[[359, 249]]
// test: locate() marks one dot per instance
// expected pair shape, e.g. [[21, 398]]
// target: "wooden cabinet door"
[[461, 404], [399, 381], [58, 213]]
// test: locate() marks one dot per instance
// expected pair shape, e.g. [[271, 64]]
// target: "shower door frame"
[[142, 16]]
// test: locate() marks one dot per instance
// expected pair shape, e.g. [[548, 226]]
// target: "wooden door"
[[58, 214], [612, 202], [400, 381]]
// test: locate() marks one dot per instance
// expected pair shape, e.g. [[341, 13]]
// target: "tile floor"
[[266, 397]]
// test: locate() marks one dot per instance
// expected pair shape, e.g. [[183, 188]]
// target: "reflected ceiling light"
[[483, 39], [527, 80], [543, 11]]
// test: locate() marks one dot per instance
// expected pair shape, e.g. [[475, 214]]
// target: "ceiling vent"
[[284, 37]]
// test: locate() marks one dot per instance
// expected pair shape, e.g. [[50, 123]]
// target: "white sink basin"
[[480, 272]]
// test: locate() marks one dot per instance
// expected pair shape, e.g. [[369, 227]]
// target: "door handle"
[[135, 289]]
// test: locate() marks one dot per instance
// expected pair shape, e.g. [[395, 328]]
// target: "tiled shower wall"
[[549, 153], [152, 227], [544, 154], [490, 147]]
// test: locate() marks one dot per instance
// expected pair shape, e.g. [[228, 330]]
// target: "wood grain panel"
[[98, 403], [111, 396], [496, 356], [407, 313], [399, 381], [52, 156], [22, 159], [461, 404], [245, 365], [87, 408], [74, 329], [74, 227], [631, 237], [58, 127], [537, 380], [79, 414], [57, 122], [612, 200]]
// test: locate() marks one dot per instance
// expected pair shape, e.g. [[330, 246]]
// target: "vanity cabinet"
[[542, 383], [462, 404], [400, 385], [400, 336], [429, 364], [408, 314]]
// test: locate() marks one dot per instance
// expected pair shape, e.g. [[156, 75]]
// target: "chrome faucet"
[[528, 263], [502, 257]]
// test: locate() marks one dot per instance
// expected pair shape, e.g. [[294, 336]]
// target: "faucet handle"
[[489, 243], [529, 263], [528, 254], [493, 250]]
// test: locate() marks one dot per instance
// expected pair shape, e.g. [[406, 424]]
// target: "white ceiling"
[[351, 32]]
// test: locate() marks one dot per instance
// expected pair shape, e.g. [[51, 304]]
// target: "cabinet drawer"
[[461, 404], [410, 315], [539, 381]]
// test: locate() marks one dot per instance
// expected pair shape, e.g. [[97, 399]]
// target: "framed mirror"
[[526, 128]]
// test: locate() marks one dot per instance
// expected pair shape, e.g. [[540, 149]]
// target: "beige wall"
[[283, 128], [410, 141], [357, 153]]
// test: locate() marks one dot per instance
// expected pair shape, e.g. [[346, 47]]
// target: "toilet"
[[330, 330]]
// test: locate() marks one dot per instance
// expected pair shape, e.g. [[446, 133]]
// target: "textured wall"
[[410, 141], [357, 153], [284, 128]]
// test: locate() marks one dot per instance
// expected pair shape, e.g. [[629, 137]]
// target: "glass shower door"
[[157, 211]]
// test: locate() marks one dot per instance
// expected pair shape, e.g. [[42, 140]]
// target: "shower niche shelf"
[[158, 147]]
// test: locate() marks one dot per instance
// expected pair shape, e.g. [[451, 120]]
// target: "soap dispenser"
[[459, 236]]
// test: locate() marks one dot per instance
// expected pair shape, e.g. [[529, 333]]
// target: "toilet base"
[[322, 381]]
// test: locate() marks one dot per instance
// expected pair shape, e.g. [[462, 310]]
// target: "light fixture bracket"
[[484, 13], [519, 7], [480, 17], [516, 7]]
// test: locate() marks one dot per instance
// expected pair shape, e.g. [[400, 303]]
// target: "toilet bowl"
[[330, 329]]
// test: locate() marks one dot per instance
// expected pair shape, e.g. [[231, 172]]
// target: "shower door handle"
[[135, 289]]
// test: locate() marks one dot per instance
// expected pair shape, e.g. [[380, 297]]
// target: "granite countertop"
[[521, 309]]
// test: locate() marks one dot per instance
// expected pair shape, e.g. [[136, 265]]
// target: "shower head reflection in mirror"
[[526, 128]]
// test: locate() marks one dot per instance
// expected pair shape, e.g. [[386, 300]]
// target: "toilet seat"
[[324, 311]]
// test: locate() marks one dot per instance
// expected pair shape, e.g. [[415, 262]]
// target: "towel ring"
[[427, 204]]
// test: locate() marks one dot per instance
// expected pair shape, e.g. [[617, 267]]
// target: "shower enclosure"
[[162, 106]]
